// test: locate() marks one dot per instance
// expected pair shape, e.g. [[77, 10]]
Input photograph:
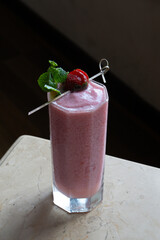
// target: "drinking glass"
[[78, 143]]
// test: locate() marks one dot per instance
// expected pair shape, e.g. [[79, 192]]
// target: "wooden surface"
[[130, 209]]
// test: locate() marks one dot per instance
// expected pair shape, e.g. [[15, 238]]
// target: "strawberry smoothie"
[[78, 123]]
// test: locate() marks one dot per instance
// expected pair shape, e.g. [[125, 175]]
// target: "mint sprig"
[[49, 88], [58, 74], [52, 63], [50, 80]]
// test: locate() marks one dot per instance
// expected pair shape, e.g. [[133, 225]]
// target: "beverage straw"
[[103, 70]]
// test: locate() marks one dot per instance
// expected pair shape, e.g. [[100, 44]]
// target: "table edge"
[[19, 139]]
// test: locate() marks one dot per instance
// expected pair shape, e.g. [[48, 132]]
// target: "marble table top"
[[130, 209]]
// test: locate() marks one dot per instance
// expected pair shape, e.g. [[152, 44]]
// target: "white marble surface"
[[130, 209]]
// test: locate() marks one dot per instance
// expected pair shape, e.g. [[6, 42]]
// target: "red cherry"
[[77, 80]]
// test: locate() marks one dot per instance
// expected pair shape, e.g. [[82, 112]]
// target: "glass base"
[[76, 205]]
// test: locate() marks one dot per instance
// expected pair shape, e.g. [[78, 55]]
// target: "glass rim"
[[91, 109]]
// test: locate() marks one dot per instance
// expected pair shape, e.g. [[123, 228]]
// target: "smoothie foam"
[[78, 139]]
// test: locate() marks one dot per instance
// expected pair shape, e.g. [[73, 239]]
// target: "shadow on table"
[[32, 219]]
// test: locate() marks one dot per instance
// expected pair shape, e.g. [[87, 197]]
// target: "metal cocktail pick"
[[103, 70]]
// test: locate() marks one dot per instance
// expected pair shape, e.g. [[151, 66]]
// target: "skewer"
[[47, 103], [103, 70]]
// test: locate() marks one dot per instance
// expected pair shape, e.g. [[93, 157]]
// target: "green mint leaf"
[[49, 89], [53, 64], [59, 75], [51, 81], [42, 80], [50, 69], [46, 79]]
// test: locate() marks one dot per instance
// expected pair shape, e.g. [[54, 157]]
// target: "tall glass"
[[78, 141]]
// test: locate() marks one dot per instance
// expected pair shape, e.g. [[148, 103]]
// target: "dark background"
[[26, 44]]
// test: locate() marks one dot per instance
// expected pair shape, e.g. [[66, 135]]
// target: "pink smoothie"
[[78, 138]]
